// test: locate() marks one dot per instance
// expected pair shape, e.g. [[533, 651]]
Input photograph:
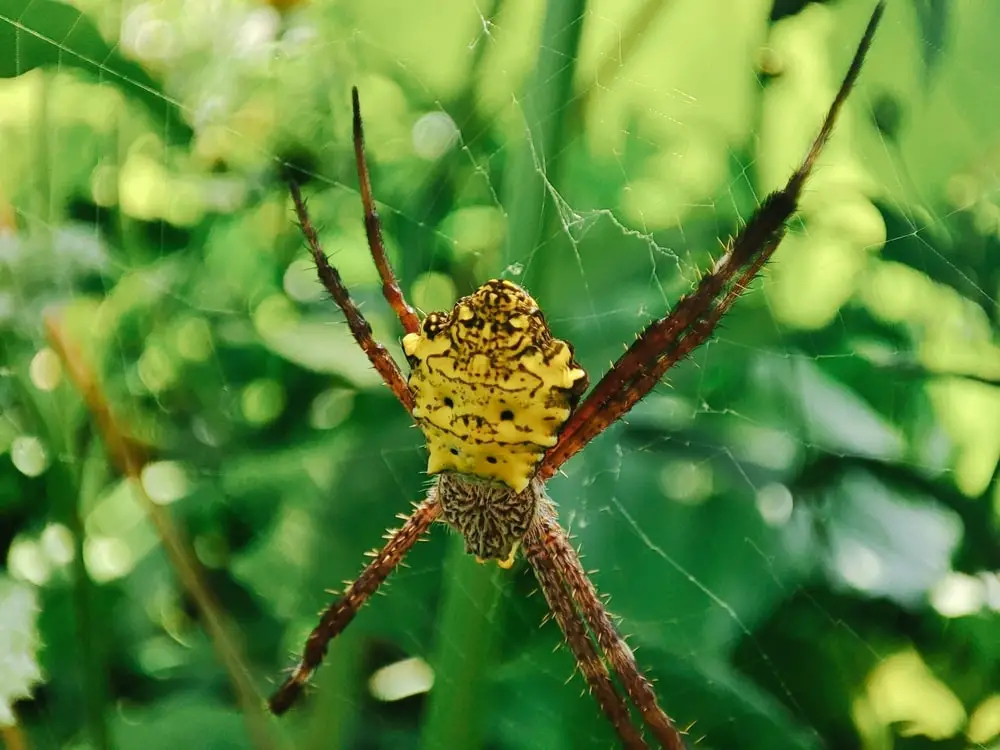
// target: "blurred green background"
[[799, 530]]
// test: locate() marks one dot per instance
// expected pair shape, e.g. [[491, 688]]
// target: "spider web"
[[797, 529]]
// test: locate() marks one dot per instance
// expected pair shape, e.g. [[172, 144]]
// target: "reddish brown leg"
[[668, 340], [379, 356], [616, 651], [594, 670], [373, 228], [339, 614]]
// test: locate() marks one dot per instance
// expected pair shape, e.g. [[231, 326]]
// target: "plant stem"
[[339, 691], [68, 491], [467, 643], [621, 49], [535, 165], [64, 493], [129, 457], [470, 623], [63, 479], [13, 738]]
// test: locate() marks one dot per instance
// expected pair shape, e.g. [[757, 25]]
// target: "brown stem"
[[130, 457]]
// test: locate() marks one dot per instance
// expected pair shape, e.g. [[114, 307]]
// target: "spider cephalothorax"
[[491, 385], [496, 394]]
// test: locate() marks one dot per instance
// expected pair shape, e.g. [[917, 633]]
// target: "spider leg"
[[594, 670], [379, 356], [340, 613], [373, 228], [668, 340], [563, 557]]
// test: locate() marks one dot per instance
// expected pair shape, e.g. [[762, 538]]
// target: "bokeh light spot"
[[107, 558], [401, 680], [56, 542], [262, 401], [687, 482], [775, 503], [165, 481], [434, 291], [433, 135], [29, 455], [330, 408], [45, 370], [958, 595], [27, 561], [194, 339], [156, 369], [300, 283]]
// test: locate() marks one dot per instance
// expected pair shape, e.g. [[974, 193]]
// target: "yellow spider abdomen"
[[492, 387]]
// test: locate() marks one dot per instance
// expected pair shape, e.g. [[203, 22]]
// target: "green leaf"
[[201, 722], [44, 33], [19, 670]]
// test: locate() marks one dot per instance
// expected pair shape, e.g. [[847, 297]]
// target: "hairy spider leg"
[[379, 356], [339, 614], [668, 340], [570, 571], [594, 670], [373, 228], [557, 566]]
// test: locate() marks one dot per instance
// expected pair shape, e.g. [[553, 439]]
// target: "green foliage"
[[48, 34], [798, 531], [19, 670]]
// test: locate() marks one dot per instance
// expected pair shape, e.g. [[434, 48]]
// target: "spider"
[[501, 404]]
